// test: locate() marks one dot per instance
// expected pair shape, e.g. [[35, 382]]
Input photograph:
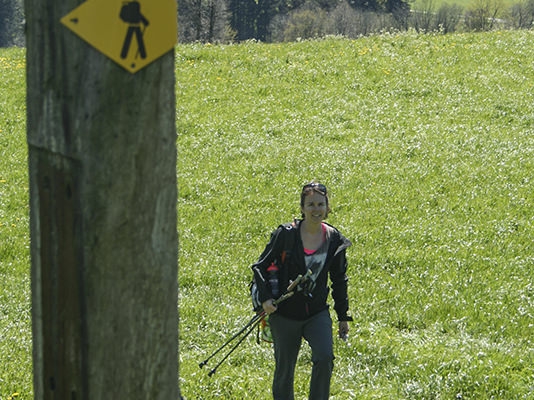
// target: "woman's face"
[[315, 207]]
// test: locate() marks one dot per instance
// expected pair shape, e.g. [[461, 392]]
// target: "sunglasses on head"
[[318, 187]]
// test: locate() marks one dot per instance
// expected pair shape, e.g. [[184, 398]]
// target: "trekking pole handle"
[[299, 279], [291, 288], [283, 297], [294, 284]]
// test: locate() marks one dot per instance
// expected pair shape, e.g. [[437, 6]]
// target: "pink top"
[[309, 252]]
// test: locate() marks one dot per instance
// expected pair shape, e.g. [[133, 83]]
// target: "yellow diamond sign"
[[133, 33]]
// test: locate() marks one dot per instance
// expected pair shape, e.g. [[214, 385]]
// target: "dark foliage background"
[[11, 23], [223, 21]]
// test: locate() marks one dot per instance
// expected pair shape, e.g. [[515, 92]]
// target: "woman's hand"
[[268, 306], [343, 330]]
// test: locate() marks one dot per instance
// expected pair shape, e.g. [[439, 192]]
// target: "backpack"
[[253, 287], [130, 12]]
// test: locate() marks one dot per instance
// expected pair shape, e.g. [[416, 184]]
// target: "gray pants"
[[287, 336]]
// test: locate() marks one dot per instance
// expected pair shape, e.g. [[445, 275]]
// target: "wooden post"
[[102, 165]]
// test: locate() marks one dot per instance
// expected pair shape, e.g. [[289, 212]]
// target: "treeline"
[[279, 21], [289, 20]]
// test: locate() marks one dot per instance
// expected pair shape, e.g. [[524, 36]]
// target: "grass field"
[[423, 4], [15, 316], [426, 143]]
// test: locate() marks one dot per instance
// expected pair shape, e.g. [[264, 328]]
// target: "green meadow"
[[426, 144]]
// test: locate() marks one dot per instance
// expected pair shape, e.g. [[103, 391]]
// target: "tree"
[[343, 19], [308, 21], [365, 5], [266, 11], [243, 20], [448, 17], [352, 22], [252, 19], [400, 11], [102, 166], [6, 16], [423, 16], [482, 14], [204, 20], [11, 21], [522, 14]]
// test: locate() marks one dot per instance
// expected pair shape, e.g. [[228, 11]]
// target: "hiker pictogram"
[[131, 14], [118, 29]]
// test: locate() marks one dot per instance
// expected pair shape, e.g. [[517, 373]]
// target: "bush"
[[482, 15], [448, 17], [305, 23], [522, 14], [350, 22]]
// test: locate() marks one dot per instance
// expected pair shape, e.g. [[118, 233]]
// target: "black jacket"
[[286, 239]]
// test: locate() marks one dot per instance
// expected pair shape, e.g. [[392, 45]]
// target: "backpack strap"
[[290, 242]]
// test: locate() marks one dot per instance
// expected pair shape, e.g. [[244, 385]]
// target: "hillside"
[[426, 144]]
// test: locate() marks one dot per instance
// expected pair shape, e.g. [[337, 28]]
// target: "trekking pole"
[[237, 344], [252, 324], [257, 321]]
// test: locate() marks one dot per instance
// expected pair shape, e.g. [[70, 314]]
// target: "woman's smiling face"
[[315, 207]]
